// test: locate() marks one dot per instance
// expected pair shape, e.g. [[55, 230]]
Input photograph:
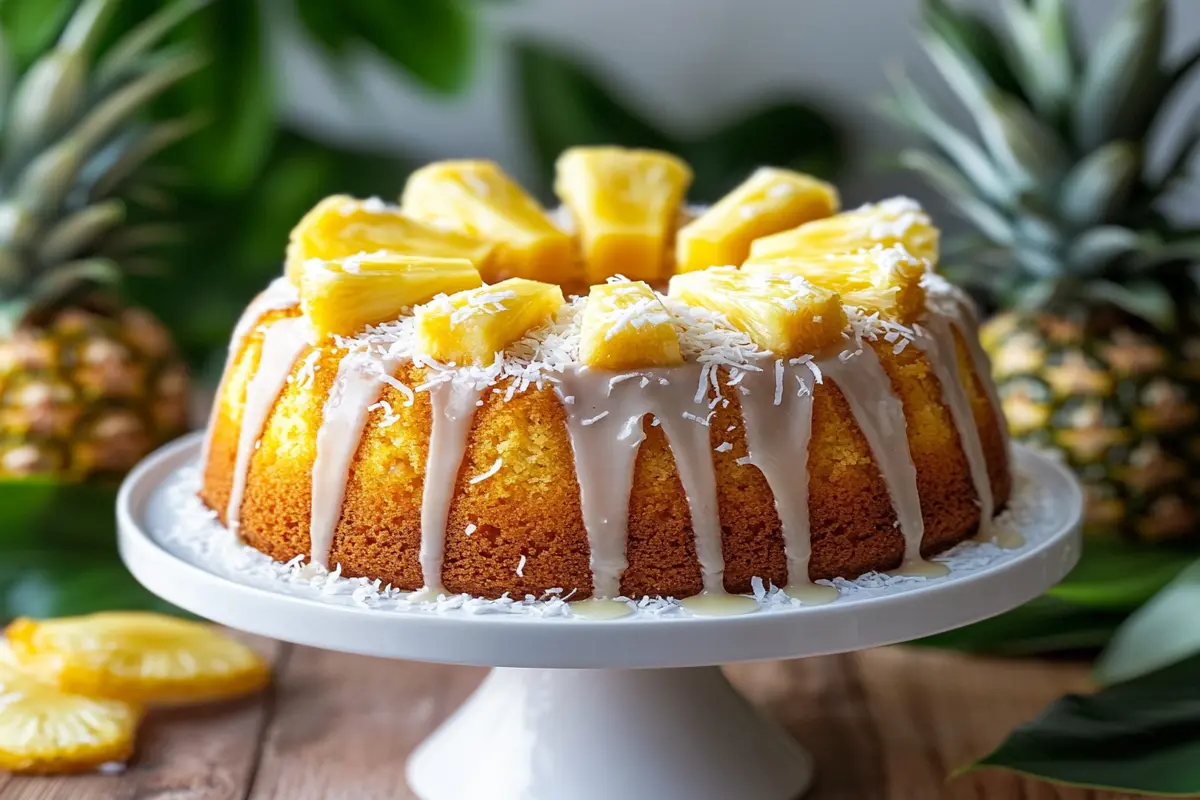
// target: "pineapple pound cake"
[[625, 397]]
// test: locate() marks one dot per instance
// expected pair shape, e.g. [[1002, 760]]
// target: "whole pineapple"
[[1097, 347], [87, 385]]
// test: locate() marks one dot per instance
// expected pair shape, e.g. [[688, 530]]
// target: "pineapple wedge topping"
[[472, 326], [883, 279], [897, 220], [138, 657], [626, 204], [343, 296], [784, 314], [46, 730], [625, 326], [341, 226], [476, 198], [769, 201]]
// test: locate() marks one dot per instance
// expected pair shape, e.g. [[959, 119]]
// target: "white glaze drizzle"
[[356, 387], [283, 342], [280, 294], [605, 427], [938, 344], [880, 416], [453, 407], [777, 439]]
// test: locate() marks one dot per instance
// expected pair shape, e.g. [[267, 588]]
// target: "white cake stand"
[[571, 713]]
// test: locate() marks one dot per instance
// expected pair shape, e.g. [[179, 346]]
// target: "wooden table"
[[885, 724]]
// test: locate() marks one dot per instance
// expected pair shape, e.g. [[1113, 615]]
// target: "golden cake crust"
[[527, 517]]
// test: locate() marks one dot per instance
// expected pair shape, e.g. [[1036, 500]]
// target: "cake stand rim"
[[632, 642]]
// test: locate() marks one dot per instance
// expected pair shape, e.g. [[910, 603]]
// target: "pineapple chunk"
[[784, 314], [344, 296], [476, 198], [625, 204], [341, 226], [898, 220], [46, 730], [883, 279], [138, 657], [769, 201], [625, 326], [470, 327]]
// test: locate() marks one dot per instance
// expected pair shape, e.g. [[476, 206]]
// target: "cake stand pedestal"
[[574, 710]]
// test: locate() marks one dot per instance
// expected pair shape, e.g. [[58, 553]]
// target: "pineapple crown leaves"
[[1053, 175], [73, 154]]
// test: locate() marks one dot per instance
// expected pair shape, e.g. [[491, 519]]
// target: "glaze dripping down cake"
[[765, 388]]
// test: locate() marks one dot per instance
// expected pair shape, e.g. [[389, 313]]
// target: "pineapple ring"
[[46, 730], [138, 657]]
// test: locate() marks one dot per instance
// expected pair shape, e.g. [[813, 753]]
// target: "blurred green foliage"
[[565, 104]]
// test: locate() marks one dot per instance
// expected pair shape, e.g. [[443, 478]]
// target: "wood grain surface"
[[886, 724]]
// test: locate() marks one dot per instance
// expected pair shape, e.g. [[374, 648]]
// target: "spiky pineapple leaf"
[[964, 202], [1145, 299], [911, 107], [1042, 53], [972, 37], [1098, 187], [125, 55], [1120, 87]]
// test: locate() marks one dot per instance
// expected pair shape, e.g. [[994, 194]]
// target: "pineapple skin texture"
[[88, 393], [450, 330], [478, 199], [138, 657], [782, 313], [341, 226], [897, 221], [342, 297], [626, 205], [606, 343], [1121, 401], [769, 201]]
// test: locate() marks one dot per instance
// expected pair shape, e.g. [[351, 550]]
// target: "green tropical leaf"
[[433, 40], [1043, 625], [1113, 101], [326, 23], [1139, 736], [53, 515], [45, 584], [1120, 575], [32, 26], [563, 106], [1165, 630], [792, 135]]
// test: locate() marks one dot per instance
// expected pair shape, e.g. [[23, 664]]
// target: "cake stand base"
[[534, 734]]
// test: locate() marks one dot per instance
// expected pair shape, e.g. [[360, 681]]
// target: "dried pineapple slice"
[[625, 204], [341, 226], [883, 279], [784, 314], [46, 730], [138, 657], [769, 201], [478, 199], [898, 220], [470, 327], [343, 296], [626, 326]]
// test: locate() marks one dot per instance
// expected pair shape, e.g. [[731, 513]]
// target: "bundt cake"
[[765, 388]]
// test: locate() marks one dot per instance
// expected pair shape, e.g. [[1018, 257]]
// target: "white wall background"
[[686, 64]]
